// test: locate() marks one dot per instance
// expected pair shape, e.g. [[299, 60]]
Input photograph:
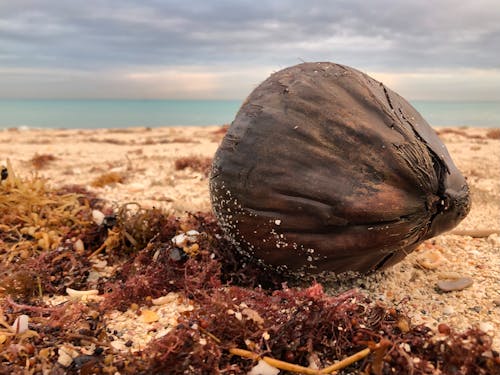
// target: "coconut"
[[326, 170]]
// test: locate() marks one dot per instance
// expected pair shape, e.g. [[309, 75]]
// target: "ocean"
[[91, 114]]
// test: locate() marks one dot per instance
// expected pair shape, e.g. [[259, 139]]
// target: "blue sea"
[[91, 114]]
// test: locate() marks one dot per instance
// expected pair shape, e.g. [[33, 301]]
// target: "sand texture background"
[[144, 160]]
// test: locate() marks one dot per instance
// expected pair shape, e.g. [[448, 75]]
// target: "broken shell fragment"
[[325, 170], [450, 285], [430, 259], [21, 324]]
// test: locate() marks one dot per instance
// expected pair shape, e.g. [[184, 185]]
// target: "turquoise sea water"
[[152, 113]]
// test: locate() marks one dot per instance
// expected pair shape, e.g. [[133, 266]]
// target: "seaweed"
[[35, 217], [196, 163], [493, 134], [108, 178], [40, 161], [298, 327], [242, 315]]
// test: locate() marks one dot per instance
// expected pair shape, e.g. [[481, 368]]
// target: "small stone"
[[163, 300], [177, 254], [448, 310], [476, 309], [496, 302], [253, 315], [149, 316], [64, 359], [84, 295], [450, 285], [66, 355], [98, 217], [448, 275], [135, 187], [263, 368], [78, 246], [444, 329], [179, 240], [486, 327], [118, 345]]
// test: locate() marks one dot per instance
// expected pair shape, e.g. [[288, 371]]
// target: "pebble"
[[64, 358], [149, 316], [448, 310], [168, 298], [263, 368], [78, 246], [486, 327], [449, 285], [135, 187], [97, 216], [66, 355], [182, 239]]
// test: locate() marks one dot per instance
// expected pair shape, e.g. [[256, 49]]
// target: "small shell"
[[450, 285], [430, 259], [98, 217], [21, 324]]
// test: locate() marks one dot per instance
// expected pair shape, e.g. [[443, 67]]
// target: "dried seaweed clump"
[[40, 161], [48, 273], [304, 327], [493, 134], [196, 163], [35, 217], [132, 228], [158, 266], [108, 178]]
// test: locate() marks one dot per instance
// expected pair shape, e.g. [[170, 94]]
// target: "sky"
[[202, 49]]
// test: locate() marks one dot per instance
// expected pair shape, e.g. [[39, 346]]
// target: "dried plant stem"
[[346, 361], [282, 365], [287, 366], [213, 337], [98, 250]]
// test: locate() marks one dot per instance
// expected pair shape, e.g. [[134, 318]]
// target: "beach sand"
[[145, 161]]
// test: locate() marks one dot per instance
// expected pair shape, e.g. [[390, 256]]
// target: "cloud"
[[456, 84], [119, 38], [177, 82]]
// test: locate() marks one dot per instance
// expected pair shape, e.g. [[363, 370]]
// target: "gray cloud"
[[383, 35]]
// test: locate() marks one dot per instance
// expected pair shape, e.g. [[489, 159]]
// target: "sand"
[[145, 159]]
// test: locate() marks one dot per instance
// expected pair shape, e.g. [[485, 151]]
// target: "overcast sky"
[[423, 49]]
